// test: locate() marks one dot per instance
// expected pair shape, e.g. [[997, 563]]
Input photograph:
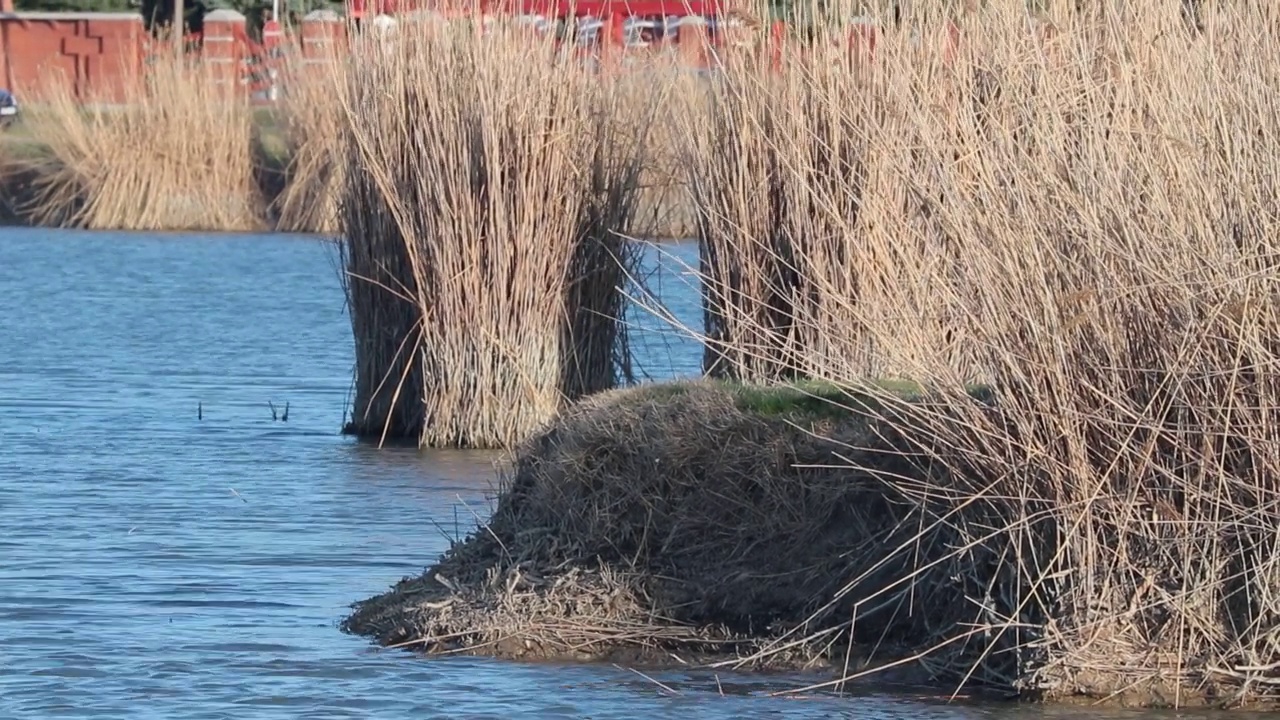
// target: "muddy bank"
[[791, 529], [704, 522]]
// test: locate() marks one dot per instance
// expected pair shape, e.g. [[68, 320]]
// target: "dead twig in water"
[[660, 684]]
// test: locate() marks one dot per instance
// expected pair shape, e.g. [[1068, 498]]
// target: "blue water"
[[665, 315], [156, 565]]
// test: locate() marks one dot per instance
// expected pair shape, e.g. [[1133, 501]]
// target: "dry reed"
[[311, 127], [175, 155], [1083, 218], [664, 92], [487, 184], [794, 178]]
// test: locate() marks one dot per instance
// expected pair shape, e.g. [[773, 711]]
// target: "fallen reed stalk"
[[487, 182], [175, 155]]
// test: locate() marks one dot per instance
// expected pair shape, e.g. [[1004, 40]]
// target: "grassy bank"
[[704, 519], [803, 526]]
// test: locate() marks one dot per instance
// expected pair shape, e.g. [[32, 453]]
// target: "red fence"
[[98, 51], [357, 9]]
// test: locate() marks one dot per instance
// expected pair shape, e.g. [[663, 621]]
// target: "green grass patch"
[[271, 138], [19, 148], [809, 399], [17, 142], [819, 398]]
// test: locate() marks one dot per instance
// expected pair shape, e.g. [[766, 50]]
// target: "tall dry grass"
[[801, 211], [1088, 225], [487, 179], [662, 92], [175, 155], [310, 124]]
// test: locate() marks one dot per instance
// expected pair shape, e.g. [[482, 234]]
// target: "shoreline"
[[24, 161], [17, 185]]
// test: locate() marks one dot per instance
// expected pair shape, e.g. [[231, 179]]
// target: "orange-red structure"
[[554, 9], [99, 52], [95, 52]]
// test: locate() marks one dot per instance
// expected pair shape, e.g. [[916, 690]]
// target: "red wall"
[[93, 51], [99, 52]]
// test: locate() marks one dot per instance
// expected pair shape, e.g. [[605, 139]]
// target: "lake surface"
[[156, 565]]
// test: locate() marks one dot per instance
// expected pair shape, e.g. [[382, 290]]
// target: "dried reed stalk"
[[487, 181], [793, 173], [175, 155], [1091, 216], [311, 122], [662, 89]]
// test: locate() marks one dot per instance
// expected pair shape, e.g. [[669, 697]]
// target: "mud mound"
[[696, 516]]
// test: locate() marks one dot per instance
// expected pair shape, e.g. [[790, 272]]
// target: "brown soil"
[[667, 522]]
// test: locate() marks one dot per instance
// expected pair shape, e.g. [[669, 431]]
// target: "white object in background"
[[588, 29], [384, 23], [633, 31], [540, 24]]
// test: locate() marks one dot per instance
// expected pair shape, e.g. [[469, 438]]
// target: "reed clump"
[[175, 155], [795, 175], [663, 92], [1082, 215], [309, 124], [487, 184]]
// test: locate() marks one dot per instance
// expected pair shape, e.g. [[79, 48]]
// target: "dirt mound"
[[769, 528], [695, 517]]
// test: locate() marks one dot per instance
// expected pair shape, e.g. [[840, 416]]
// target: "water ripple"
[[154, 565]]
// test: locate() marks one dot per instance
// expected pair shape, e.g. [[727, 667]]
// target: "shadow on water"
[[157, 564]]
